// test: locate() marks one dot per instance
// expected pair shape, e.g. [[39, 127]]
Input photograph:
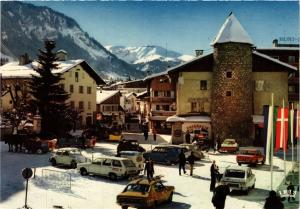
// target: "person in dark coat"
[[146, 134], [154, 134], [291, 190], [149, 169], [182, 161], [273, 201], [191, 160], [219, 196], [213, 175], [188, 137]]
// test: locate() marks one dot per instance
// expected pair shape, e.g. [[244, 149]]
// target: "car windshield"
[[128, 163], [247, 152], [137, 188], [235, 174]]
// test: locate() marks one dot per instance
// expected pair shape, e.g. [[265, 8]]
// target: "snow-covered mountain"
[[153, 58], [25, 26]]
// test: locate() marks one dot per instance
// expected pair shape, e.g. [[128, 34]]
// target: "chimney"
[[24, 59], [275, 43], [61, 55], [198, 52]]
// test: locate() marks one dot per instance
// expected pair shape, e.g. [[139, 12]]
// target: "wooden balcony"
[[162, 99]]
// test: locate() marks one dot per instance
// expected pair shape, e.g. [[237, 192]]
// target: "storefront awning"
[[162, 118], [176, 118]]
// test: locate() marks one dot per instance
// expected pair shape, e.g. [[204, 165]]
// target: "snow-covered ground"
[[100, 193]]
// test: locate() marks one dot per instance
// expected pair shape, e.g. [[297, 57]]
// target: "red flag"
[[282, 129]]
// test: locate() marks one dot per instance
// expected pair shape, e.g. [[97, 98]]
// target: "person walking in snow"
[[154, 134], [219, 196], [188, 137], [273, 201], [182, 161], [291, 189], [149, 168], [213, 175], [191, 160]]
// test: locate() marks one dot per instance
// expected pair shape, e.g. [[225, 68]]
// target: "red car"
[[250, 156]]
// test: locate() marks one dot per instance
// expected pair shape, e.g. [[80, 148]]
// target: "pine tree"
[[49, 96]]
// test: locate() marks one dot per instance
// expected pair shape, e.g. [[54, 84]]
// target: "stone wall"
[[231, 115]]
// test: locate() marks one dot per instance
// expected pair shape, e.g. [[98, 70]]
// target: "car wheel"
[[39, 151], [53, 162], [124, 207], [247, 191], [253, 186], [239, 164], [263, 162], [83, 172], [73, 164], [170, 198], [113, 177]]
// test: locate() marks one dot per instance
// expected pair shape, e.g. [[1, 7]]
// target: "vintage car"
[[68, 156], [112, 167], [197, 151], [229, 145], [166, 154], [115, 133], [144, 193], [239, 178], [135, 156], [250, 156], [129, 145]]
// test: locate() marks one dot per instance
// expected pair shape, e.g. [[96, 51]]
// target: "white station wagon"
[[67, 156], [239, 178], [112, 167]]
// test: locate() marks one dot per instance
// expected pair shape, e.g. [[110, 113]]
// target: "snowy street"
[[100, 193]]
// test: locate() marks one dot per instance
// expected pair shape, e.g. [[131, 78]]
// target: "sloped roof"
[[14, 70], [232, 31], [103, 95]]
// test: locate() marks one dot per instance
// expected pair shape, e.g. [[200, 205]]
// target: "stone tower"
[[232, 82]]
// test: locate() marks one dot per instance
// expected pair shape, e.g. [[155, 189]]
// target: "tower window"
[[76, 76], [228, 74], [203, 85], [228, 93]]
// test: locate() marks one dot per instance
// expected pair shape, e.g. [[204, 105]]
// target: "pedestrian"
[[219, 196], [182, 161], [216, 146], [188, 137], [154, 134], [273, 201], [213, 175], [291, 190], [149, 168], [191, 160], [146, 134]]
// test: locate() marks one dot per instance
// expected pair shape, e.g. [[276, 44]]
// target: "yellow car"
[[144, 193]]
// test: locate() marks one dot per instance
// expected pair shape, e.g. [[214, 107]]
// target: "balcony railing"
[[162, 113], [162, 99]]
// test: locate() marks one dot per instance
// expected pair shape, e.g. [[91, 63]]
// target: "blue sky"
[[181, 26]]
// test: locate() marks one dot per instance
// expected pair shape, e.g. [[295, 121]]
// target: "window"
[[193, 107], [62, 86], [228, 74], [203, 85], [81, 105], [292, 89], [81, 89], [76, 77], [89, 105], [106, 108], [89, 90], [168, 94], [155, 93], [71, 88], [107, 162], [116, 163], [292, 59], [166, 107], [259, 85], [157, 107], [72, 105], [228, 93]]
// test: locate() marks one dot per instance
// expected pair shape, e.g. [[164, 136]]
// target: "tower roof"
[[232, 31]]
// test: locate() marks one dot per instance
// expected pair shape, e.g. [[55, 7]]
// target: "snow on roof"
[[14, 70], [275, 60], [176, 118], [141, 93], [232, 31], [103, 95], [156, 75], [280, 48], [129, 94]]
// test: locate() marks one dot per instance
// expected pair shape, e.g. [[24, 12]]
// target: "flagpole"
[[272, 145], [292, 131], [283, 138]]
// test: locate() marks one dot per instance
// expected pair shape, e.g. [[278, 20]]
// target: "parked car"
[[195, 149], [239, 178], [135, 156], [73, 140], [144, 193], [36, 145], [229, 145], [67, 156], [129, 145], [166, 154], [250, 156], [112, 167]]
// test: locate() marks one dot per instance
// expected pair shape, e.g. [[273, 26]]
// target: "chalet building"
[[79, 80], [108, 105], [161, 102], [222, 92], [142, 106]]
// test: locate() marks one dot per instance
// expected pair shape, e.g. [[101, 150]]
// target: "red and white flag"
[[282, 129]]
